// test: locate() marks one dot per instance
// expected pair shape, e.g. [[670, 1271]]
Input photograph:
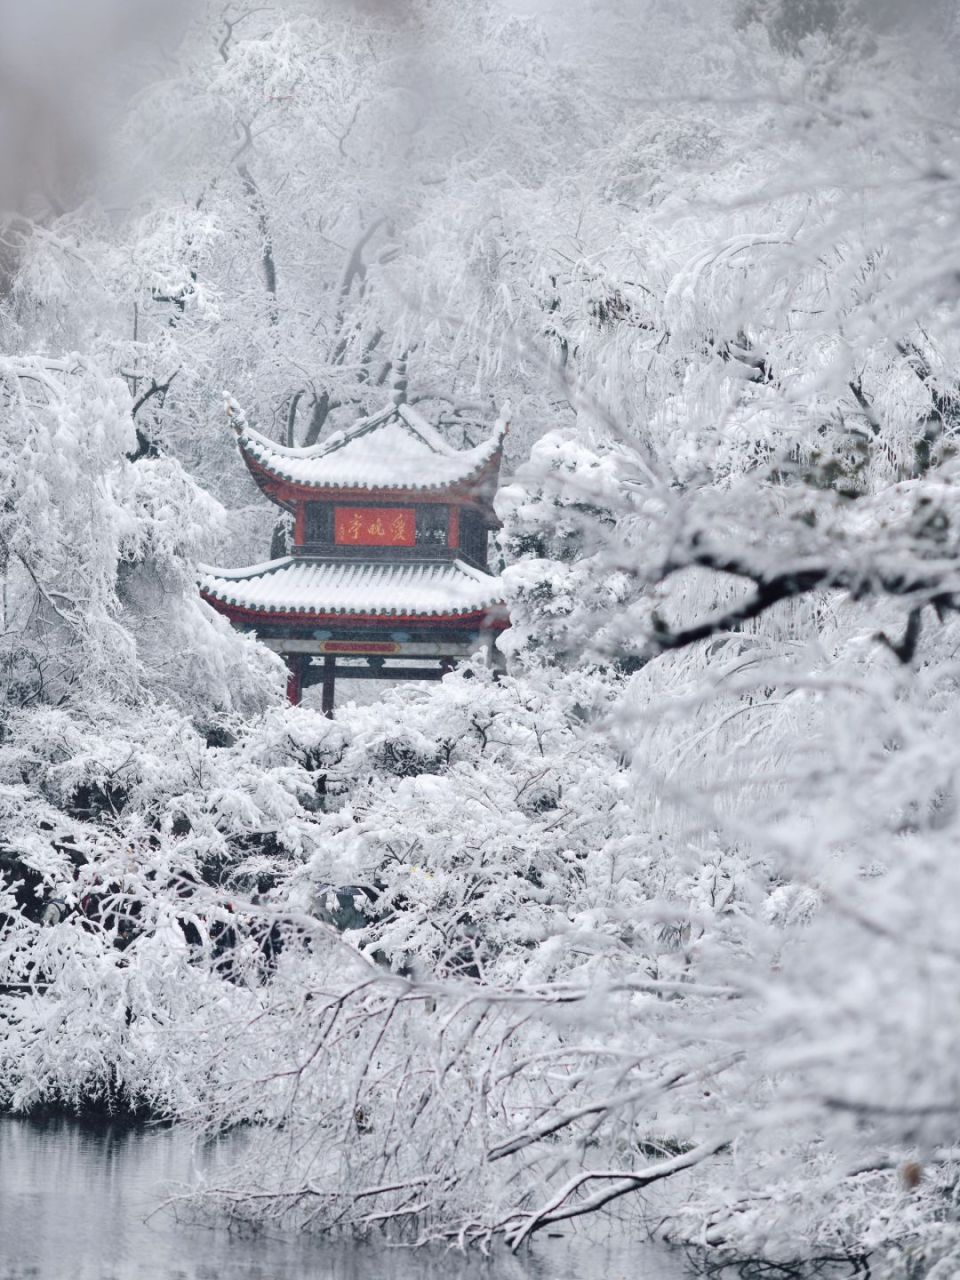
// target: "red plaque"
[[374, 527], [359, 646]]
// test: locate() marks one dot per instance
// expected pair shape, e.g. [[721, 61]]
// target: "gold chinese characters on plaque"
[[374, 527]]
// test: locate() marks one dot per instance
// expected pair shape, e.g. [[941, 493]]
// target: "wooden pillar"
[[294, 663], [329, 681], [453, 526]]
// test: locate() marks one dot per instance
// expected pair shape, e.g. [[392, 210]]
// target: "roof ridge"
[[333, 442], [426, 431], [345, 436]]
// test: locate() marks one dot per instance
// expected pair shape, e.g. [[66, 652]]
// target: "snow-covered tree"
[[672, 902]]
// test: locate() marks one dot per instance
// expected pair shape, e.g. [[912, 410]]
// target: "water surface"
[[75, 1204]]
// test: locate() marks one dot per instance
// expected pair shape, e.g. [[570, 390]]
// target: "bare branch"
[[623, 1182]]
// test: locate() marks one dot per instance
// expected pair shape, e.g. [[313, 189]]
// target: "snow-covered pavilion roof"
[[381, 589], [393, 449]]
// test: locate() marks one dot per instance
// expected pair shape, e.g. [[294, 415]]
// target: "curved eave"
[[490, 617], [473, 486]]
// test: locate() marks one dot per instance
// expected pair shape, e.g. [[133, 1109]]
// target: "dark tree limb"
[[401, 380], [943, 406], [866, 405], [292, 407], [223, 48], [907, 647], [147, 448], [768, 593], [369, 348], [787, 586], [354, 275], [323, 406], [356, 268], [155, 389], [267, 261], [246, 142]]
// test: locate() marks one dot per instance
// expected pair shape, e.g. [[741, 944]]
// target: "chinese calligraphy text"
[[375, 527]]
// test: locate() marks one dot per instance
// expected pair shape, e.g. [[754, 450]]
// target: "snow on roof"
[[393, 449], [291, 585]]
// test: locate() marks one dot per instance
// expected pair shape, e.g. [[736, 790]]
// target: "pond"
[[76, 1204]]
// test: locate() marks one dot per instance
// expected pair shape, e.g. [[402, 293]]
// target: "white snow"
[[394, 449], [311, 586]]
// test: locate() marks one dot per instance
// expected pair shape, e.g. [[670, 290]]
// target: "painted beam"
[[317, 675], [375, 648]]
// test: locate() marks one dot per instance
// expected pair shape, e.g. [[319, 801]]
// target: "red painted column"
[[294, 663], [329, 686], [453, 526], [300, 524]]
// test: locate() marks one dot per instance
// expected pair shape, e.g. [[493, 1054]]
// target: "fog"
[[67, 68]]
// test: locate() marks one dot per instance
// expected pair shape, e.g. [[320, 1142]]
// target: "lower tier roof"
[[378, 589]]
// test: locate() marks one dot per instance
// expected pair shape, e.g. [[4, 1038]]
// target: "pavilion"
[[388, 575]]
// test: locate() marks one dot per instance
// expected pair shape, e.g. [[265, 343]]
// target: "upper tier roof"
[[381, 589], [394, 449]]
